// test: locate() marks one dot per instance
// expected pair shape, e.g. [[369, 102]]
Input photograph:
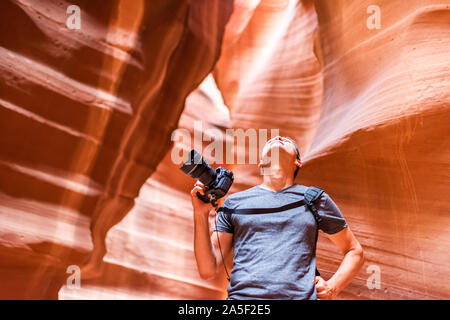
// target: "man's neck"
[[277, 181]]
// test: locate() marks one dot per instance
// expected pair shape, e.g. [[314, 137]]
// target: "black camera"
[[217, 182]]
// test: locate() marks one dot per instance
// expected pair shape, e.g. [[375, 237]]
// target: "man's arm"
[[348, 269], [206, 247]]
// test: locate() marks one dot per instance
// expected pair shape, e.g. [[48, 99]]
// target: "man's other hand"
[[323, 289]]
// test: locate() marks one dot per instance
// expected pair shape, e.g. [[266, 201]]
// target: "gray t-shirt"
[[274, 253]]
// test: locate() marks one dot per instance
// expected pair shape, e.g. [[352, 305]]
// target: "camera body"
[[217, 182], [219, 186]]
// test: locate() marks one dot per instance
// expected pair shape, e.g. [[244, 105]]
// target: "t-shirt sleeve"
[[332, 219], [223, 222]]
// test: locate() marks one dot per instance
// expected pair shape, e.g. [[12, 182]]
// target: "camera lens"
[[197, 168]]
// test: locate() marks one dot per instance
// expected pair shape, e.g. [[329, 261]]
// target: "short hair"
[[298, 155]]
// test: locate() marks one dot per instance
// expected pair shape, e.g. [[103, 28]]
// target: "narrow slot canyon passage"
[[95, 117]]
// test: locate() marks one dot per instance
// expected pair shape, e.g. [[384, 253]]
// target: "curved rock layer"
[[382, 143], [150, 252], [87, 117]]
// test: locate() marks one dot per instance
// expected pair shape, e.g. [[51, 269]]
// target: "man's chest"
[[297, 222]]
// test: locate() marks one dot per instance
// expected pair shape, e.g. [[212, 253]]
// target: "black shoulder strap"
[[311, 195], [263, 210]]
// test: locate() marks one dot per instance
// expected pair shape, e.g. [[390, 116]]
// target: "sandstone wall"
[[86, 117]]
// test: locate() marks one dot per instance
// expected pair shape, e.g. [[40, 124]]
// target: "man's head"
[[281, 152]]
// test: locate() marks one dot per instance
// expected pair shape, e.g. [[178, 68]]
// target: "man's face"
[[280, 149]]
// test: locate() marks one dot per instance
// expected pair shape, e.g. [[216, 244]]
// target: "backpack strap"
[[311, 195], [263, 210]]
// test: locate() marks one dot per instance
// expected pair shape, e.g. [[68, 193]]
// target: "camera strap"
[[216, 210]]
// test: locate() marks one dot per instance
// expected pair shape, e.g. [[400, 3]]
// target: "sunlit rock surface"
[[86, 117]]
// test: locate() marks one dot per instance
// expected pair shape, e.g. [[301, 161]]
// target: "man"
[[274, 252]]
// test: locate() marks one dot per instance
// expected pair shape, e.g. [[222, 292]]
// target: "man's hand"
[[324, 290], [200, 207]]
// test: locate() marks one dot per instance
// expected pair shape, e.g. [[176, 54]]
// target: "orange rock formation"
[[86, 175]]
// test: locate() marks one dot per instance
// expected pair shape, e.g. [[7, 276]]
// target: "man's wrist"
[[201, 212], [333, 288]]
